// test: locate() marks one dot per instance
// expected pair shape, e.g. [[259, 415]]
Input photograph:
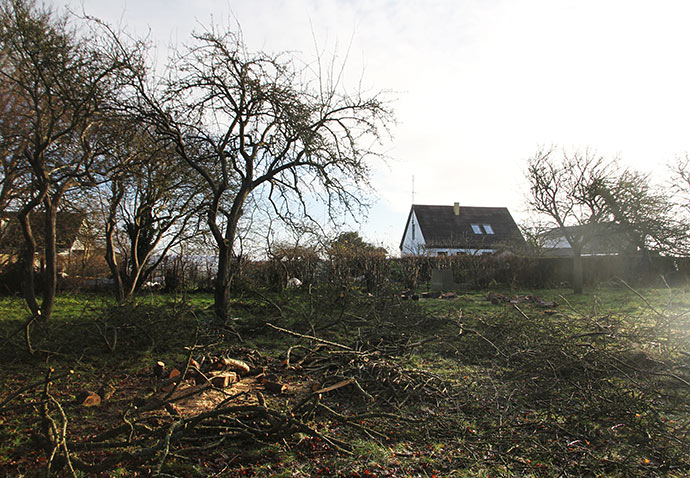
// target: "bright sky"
[[478, 85]]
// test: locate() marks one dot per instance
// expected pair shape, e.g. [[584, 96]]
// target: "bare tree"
[[255, 128], [14, 134], [151, 206], [565, 189], [644, 212], [64, 81]]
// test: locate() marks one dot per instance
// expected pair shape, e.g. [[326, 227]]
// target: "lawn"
[[343, 383]]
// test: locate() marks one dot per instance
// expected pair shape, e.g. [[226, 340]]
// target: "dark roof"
[[67, 228], [441, 227]]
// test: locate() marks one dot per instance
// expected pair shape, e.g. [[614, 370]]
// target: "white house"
[[450, 230]]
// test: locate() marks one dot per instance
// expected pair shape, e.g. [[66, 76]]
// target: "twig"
[[644, 299], [177, 383], [50, 378], [166, 449], [521, 312], [311, 337], [62, 442]]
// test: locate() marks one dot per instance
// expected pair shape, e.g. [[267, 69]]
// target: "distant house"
[[68, 228], [451, 230], [600, 239]]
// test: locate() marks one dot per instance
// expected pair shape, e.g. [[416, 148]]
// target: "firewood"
[[224, 379], [88, 399], [274, 387], [238, 366], [158, 369], [220, 363], [172, 380], [234, 365]]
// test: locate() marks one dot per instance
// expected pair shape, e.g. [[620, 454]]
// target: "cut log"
[[224, 379], [88, 399], [158, 369], [274, 387], [238, 366], [173, 377]]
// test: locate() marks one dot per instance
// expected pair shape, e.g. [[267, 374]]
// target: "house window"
[[476, 229], [488, 229], [413, 230]]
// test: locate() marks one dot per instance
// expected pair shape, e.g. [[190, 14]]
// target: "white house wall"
[[451, 251], [413, 243]]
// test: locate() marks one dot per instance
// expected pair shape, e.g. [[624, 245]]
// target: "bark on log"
[[238, 366], [234, 365], [224, 379], [274, 387]]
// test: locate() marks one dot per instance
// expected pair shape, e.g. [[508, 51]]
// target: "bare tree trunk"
[[578, 271], [110, 257], [50, 276], [28, 254], [221, 292]]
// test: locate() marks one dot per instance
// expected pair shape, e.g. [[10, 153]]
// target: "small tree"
[[680, 186]]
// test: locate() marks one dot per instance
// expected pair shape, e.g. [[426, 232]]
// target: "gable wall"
[[412, 245]]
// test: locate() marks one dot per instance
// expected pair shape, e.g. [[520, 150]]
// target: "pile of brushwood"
[[324, 383]]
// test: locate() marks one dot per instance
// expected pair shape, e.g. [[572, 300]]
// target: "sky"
[[477, 86]]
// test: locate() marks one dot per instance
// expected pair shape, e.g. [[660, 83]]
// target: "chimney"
[[456, 208]]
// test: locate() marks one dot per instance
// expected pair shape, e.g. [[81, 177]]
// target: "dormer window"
[[488, 229], [476, 229]]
